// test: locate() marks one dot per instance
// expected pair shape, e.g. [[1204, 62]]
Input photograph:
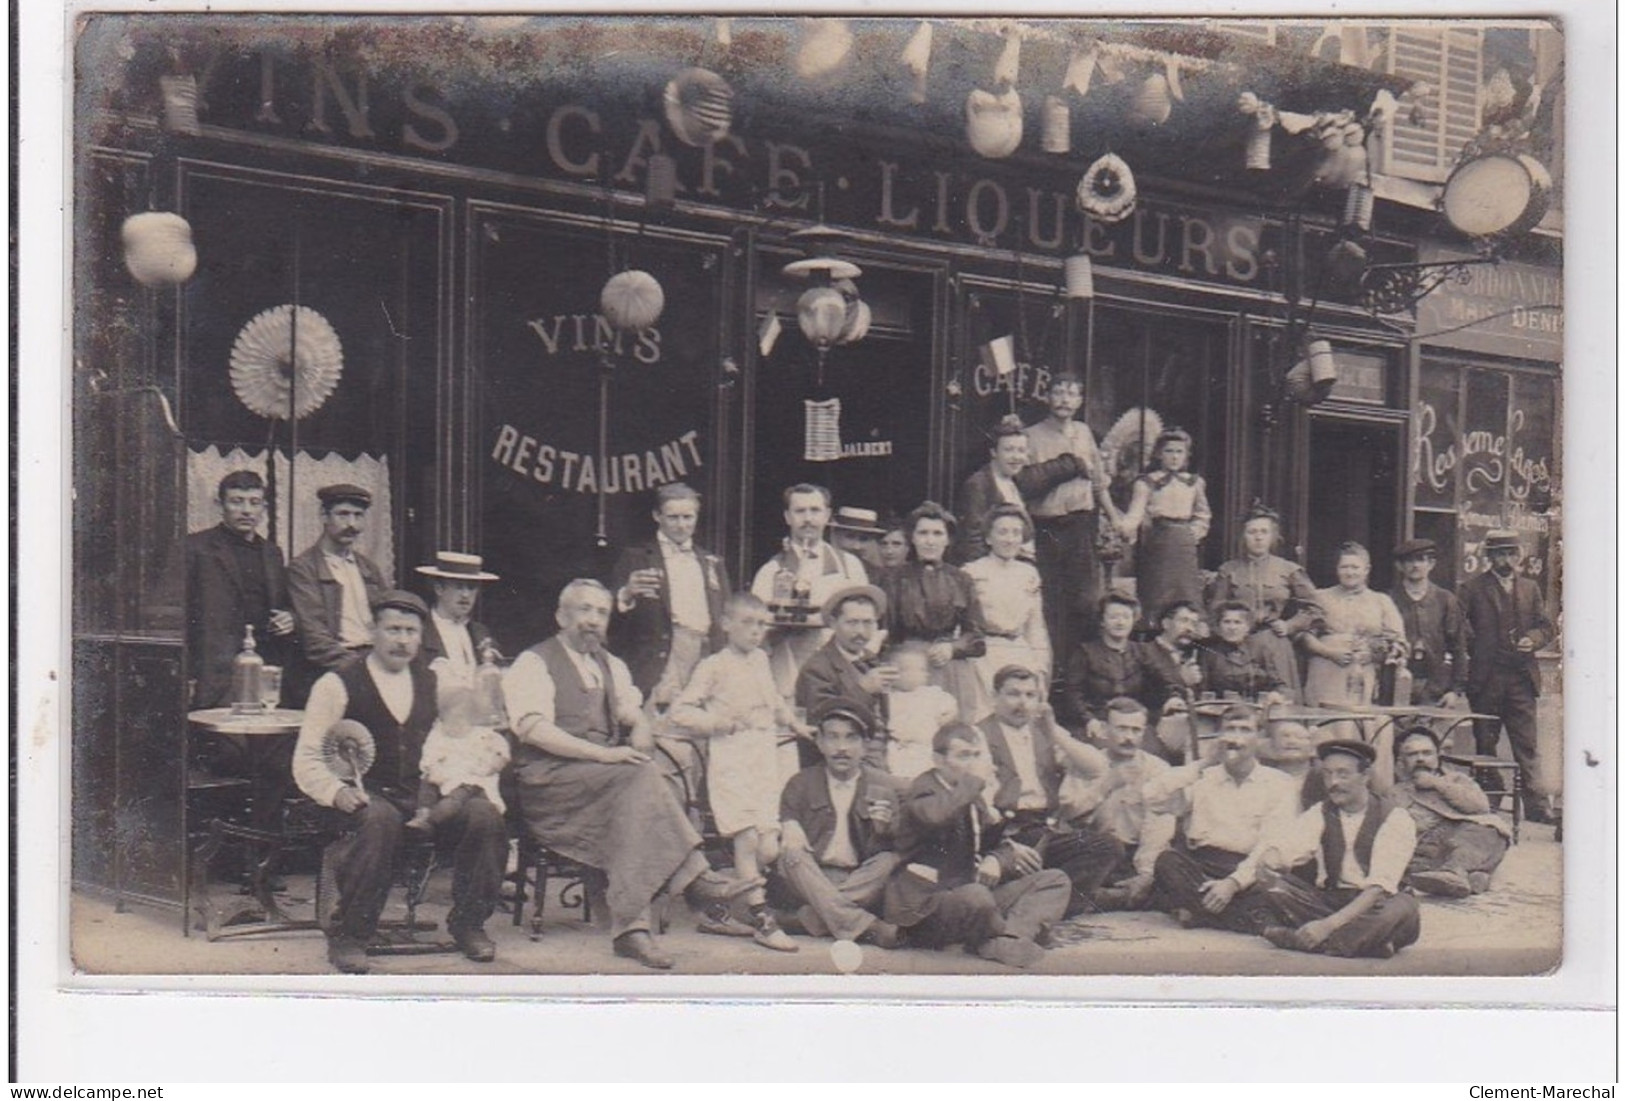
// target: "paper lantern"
[[699, 107], [1152, 103], [821, 313], [1057, 134], [993, 122], [1358, 206], [1346, 263], [261, 374], [660, 189], [632, 301], [180, 104], [158, 248], [1080, 276]]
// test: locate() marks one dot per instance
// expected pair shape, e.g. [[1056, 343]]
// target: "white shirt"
[[1225, 813], [841, 853], [1020, 741], [528, 690], [1391, 849], [328, 701], [458, 664], [355, 617], [685, 580]]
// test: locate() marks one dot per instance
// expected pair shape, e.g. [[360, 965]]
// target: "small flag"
[[1174, 87], [999, 355], [768, 334], [725, 32]]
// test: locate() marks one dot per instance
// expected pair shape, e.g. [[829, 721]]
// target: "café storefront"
[[455, 234]]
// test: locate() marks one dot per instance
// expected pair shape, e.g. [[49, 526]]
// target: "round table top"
[[223, 720], [1297, 713]]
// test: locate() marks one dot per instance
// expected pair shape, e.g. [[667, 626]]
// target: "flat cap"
[[401, 601], [344, 491], [1350, 746], [1415, 548], [1501, 539], [839, 707]]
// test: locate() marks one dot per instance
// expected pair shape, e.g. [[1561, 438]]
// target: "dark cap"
[[840, 707], [1353, 748], [1501, 540], [401, 601], [1415, 548], [343, 491]]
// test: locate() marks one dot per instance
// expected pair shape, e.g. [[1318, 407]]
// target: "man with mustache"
[[1508, 621], [394, 699], [1172, 675], [1228, 802], [332, 586], [842, 669], [1459, 843], [452, 640], [1361, 845], [588, 788]]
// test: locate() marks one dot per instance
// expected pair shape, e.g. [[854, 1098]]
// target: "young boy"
[[462, 760], [916, 709], [1237, 662], [732, 702], [961, 883]]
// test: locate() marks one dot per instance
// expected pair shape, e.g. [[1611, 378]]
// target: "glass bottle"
[[488, 688], [245, 676]]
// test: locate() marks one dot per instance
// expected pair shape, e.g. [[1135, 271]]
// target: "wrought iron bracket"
[[1397, 288]]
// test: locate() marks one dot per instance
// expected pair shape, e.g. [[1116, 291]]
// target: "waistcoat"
[[399, 745], [577, 709], [1332, 842]]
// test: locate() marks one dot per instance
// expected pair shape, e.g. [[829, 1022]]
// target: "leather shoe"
[[1283, 936], [1011, 951], [882, 934], [709, 886], [475, 944], [1443, 882], [348, 955], [639, 945]]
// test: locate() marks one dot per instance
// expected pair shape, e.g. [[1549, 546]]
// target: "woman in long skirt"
[[935, 602], [1012, 600], [1283, 601], [1170, 512]]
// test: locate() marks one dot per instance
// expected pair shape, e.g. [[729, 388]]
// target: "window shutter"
[[1451, 60]]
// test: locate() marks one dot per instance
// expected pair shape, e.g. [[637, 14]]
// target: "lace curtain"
[[205, 468]]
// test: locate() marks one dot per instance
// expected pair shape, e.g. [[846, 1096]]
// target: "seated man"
[[837, 820], [1459, 842], [1291, 749], [1361, 844], [394, 699], [963, 881], [1113, 801], [1228, 802], [843, 668], [591, 793], [1030, 755]]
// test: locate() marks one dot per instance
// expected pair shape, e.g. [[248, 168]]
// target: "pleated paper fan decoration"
[[260, 371], [348, 750]]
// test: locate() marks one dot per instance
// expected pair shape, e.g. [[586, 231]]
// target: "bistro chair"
[[1482, 765]]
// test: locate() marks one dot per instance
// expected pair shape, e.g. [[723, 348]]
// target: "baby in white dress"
[[916, 710], [461, 760]]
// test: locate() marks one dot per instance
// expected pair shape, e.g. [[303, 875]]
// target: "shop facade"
[[455, 235]]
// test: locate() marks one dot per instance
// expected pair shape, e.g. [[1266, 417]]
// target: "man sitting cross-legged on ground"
[[963, 881], [1030, 755], [1226, 801], [1113, 801], [837, 820], [1459, 843], [1361, 844]]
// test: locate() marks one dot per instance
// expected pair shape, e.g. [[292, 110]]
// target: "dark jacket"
[[805, 800], [936, 827], [642, 637], [316, 598], [1494, 618], [434, 647], [827, 674], [980, 496], [221, 601]]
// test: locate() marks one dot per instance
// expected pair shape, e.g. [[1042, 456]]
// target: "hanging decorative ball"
[[632, 301], [158, 248], [699, 107], [1057, 136], [821, 313], [993, 122], [263, 373], [1107, 192], [1152, 103], [858, 318], [1342, 167]]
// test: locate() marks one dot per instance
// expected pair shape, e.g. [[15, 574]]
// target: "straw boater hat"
[[865, 520], [868, 592], [458, 567]]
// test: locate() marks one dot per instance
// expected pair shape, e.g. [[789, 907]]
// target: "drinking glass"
[[271, 686]]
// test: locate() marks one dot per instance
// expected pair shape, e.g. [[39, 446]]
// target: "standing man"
[[452, 641], [332, 586], [1009, 478], [1508, 622], [838, 818], [1065, 517], [1434, 625], [669, 594], [1361, 845], [234, 579], [857, 531], [1028, 750], [1459, 843], [588, 787], [394, 699], [1229, 803]]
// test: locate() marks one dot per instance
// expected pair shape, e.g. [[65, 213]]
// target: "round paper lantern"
[[993, 122], [1057, 135], [271, 363], [821, 313], [1152, 104], [158, 248], [632, 301], [699, 107]]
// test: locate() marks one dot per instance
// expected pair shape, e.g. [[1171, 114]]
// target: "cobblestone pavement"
[[1515, 929]]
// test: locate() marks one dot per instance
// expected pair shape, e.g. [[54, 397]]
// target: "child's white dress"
[[915, 717], [476, 758], [743, 769]]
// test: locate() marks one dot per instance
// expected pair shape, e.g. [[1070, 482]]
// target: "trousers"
[[364, 860], [1069, 573], [971, 914], [1394, 922], [836, 902], [1458, 847], [1087, 856], [1512, 697], [1180, 873]]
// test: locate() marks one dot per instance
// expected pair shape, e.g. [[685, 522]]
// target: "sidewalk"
[[1515, 929]]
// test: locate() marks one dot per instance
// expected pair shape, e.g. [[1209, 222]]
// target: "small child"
[[916, 710], [732, 702], [461, 760]]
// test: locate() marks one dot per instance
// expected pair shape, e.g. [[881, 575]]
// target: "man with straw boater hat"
[[857, 531], [452, 641]]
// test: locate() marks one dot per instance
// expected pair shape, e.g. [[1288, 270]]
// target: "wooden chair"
[[1513, 771]]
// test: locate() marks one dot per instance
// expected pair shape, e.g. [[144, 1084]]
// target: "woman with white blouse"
[[1011, 597]]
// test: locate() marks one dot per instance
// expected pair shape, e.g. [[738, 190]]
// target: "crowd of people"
[[943, 731]]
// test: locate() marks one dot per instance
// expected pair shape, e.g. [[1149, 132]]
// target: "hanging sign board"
[[1504, 309]]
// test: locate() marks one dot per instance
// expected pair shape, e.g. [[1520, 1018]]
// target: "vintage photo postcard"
[[713, 495]]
